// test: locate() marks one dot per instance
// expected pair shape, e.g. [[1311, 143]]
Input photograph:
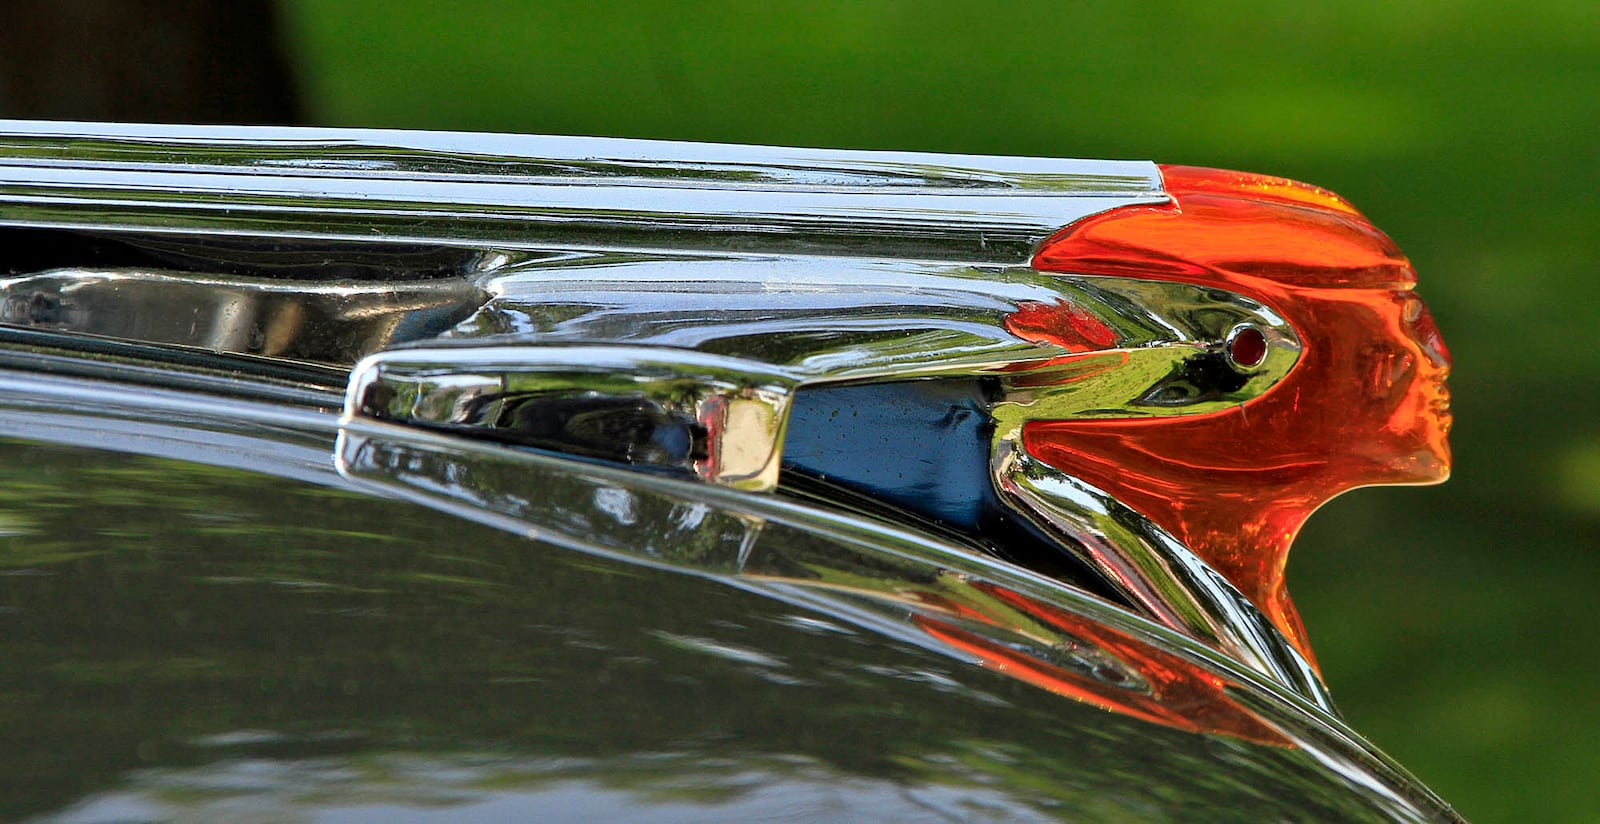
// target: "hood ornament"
[[1149, 401]]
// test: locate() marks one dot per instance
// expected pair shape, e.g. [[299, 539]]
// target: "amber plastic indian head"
[[1366, 404]]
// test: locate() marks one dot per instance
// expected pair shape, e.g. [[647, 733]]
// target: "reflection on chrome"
[[767, 546], [332, 322], [492, 787], [1143, 562]]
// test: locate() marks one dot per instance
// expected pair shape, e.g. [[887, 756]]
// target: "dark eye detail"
[[1247, 348]]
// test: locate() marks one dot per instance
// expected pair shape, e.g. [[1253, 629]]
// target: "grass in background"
[[1454, 623]]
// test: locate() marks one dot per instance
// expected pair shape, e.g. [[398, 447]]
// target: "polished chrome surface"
[[333, 322], [523, 192], [677, 333], [716, 417], [853, 319], [659, 305], [1164, 578]]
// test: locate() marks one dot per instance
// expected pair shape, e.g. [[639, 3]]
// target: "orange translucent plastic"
[[1064, 324], [1365, 404], [1175, 694]]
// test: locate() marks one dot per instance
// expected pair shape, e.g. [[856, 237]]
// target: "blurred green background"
[[1454, 623]]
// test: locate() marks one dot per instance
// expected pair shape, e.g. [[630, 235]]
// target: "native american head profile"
[[1366, 403]]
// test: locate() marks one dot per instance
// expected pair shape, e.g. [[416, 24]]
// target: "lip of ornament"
[[1440, 406]]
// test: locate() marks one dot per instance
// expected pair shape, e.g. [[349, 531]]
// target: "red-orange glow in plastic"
[[1180, 695], [1366, 404], [1066, 325]]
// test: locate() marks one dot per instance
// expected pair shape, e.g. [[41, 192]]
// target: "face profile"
[[1365, 405]]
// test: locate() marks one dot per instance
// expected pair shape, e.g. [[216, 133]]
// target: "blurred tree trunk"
[[145, 60]]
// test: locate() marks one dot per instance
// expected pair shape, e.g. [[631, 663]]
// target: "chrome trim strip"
[[1163, 578], [850, 319], [329, 322], [516, 191], [680, 396]]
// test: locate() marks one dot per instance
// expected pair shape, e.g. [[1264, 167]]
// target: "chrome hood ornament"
[[1064, 362]]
